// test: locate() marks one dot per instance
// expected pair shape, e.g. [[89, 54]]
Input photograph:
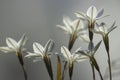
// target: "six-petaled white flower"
[[13, 46], [40, 51], [71, 57], [92, 15], [74, 28]]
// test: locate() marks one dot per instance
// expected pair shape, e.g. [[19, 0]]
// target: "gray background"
[[38, 19]]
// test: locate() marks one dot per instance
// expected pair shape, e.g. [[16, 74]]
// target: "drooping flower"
[[43, 53]]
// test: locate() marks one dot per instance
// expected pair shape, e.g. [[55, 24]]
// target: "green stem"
[[64, 70], [25, 74], [19, 54], [95, 64], [109, 63], [100, 75], [71, 70], [93, 71], [58, 68], [106, 43], [48, 66], [70, 45]]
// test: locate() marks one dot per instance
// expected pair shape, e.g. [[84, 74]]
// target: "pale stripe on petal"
[[84, 37], [64, 29], [81, 15], [82, 58], [92, 12], [66, 53], [22, 41], [67, 23], [38, 48], [6, 49], [29, 55], [49, 46], [11, 43]]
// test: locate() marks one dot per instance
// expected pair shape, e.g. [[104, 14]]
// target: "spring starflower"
[[92, 15], [71, 58], [43, 53], [14, 46], [75, 29]]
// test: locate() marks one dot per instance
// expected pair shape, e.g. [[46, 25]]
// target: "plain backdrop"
[[38, 20]]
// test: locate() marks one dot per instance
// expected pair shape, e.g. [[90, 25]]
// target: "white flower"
[[102, 29], [40, 51], [71, 57], [92, 14], [13, 46], [74, 28]]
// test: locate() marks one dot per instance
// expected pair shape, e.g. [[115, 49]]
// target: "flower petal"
[[81, 15], [112, 28], [100, 13], [29, 55], [64, 29], [97, 31], [38, 48], [82, 58], [6, 49], [11, 43], [84, 37], [49, 46], [67, 23], [22, 41], [66, 53], [92, 12], [75, 24]]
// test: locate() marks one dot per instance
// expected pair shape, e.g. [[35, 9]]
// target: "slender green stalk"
[[71, 71], [109, 63], [106, 43], [49, 67], [71, 41], [93, 71], [58, 68], [64, 70], [95, 64], [25, 74], [70, 45], [100, 75], [91, 34], [22, 64]]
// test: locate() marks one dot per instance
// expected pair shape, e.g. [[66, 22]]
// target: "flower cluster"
[[75, 29]]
